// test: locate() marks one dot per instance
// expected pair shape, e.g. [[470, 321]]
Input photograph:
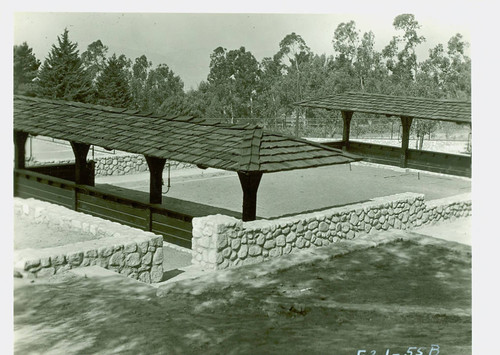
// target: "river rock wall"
[[122, 249], [221, 242]]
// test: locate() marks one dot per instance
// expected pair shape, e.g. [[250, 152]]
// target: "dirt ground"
[[389, 297], [458, 230], [29, 234]]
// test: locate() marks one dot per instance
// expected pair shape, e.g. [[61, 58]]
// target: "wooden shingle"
[[244, 147], [416, 107]]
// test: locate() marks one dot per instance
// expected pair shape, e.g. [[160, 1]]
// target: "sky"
[[184, 41]]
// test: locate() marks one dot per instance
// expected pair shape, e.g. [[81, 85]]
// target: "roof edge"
[[299, 103]]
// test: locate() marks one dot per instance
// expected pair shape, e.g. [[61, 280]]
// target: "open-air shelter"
[[408, 109], [246, 149]]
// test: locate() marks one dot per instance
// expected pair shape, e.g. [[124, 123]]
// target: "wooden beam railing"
[[175, 226], [446, 163]]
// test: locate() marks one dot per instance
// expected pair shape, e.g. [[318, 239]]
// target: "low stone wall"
[[117, 164], [129, 164], [122, 249], [221, 241], [447, 208]]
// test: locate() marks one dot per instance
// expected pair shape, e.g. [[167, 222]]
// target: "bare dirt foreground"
[[393, 296]]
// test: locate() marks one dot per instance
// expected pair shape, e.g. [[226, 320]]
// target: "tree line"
[[238, 86]]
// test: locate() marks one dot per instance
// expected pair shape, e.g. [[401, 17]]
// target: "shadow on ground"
[[395, 296], [167, 275]]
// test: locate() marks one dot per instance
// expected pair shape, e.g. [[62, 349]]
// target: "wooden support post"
[[405, 139], [20, 149], [82, 170], [346, 116], [156, 166], [250, 184]]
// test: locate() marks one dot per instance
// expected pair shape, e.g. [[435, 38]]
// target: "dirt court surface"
[[29, 234], [392, 297], [298, 191]]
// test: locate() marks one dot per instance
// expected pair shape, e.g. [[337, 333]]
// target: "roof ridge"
[[250, 150], [312, 143], [349, 93]]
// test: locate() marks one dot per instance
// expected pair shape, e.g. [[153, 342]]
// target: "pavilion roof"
[[246, 148], [416, 107]]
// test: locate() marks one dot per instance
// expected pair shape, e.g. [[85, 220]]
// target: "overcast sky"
[[185, 41]]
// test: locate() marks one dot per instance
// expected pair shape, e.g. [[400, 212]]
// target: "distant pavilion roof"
[[415, 107], [244, 148]]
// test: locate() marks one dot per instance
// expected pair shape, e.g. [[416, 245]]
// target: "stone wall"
[[447, 208], [129, 164], [122, 249], [220, 241], [116, 164]]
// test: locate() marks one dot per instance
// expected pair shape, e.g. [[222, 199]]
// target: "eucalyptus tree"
[[400, 55], [458, 82], [150, 87], [140, 69], [269, 94], [346, 41], [294, 54], [94, 59], [197, 103], [444, 74], [161, 84], [233, 80], [357, 65]]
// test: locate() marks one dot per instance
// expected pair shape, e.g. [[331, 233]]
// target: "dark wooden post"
[[250, 184], [20, 149], [346, 116], [156, 166], [82, 171], [405, 139]]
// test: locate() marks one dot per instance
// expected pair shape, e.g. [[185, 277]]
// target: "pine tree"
[[25, 69], [112, 85], [62, 75]]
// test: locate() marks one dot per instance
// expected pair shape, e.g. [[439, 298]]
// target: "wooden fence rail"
[[175, 227], [445, 163]]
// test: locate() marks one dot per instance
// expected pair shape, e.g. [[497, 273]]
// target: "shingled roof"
[[246, 148], [416, 107]]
